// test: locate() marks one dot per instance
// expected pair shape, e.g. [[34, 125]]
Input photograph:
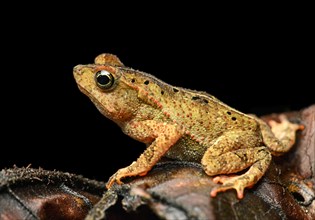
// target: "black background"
[[255, 64]]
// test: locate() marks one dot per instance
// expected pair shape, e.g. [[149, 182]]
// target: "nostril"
[[77, 69]]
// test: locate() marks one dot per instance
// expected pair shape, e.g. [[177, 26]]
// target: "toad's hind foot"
[[235, 182], [246, 180], [285, 130], [279, 137], [223, 178]]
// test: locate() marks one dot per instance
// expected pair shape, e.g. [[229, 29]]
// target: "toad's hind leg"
[[257, 158]]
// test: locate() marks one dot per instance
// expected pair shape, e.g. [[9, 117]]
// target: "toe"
[[240, 194], [228, 186], [223, 178]]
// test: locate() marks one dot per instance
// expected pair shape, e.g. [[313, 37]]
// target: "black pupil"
[[103, 79]]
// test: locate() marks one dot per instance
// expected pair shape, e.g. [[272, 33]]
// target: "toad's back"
[[201, 115]]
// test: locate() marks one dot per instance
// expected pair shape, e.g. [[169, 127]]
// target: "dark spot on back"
[[162, 92], [195, 98], [229, 113], [175, 90], [233, 118], [146, 82], [205, 101], [133, 80]]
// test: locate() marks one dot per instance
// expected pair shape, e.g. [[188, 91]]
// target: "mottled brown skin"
[[182, 124]]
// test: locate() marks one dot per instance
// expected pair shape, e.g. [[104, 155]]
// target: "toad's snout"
[[77, 70]]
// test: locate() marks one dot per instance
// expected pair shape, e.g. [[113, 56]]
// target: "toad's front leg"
[[161, 136]]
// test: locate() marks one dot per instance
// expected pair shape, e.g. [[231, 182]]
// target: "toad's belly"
[[186, 150]]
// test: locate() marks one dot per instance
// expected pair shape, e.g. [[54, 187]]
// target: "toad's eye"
[[104, 79]]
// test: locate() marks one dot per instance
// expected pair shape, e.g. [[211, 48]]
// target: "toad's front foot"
[[125, 172], [116, 178], [234, 182]]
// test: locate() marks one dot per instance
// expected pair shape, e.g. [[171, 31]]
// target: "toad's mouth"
[[83, 90], [89, 95], [106, 112]]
